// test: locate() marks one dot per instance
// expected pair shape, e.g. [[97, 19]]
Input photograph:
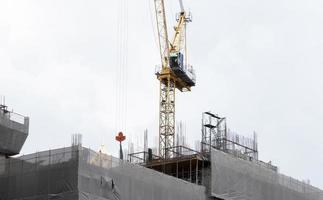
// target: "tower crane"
[[174, 73]]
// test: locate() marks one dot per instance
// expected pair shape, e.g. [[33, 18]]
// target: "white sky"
[[259, 63]]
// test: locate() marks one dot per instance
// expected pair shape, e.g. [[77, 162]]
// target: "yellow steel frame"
[[166, 115], [168, 80], [177, 44]]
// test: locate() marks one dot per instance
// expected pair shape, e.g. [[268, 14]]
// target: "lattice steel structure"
[[215, 134], [213, 129], [166, 116]]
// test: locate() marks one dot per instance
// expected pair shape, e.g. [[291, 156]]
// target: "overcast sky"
[[259, 63]]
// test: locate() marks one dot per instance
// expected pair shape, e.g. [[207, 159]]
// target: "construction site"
[[223, 166]]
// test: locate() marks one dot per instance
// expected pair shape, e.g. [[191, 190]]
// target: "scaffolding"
[[227, 165], [194, 165], [215, 134], [186, 164]]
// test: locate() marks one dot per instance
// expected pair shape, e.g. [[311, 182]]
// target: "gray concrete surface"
[[12, 134]]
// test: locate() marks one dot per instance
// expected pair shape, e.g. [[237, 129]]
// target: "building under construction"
[[226, 168]]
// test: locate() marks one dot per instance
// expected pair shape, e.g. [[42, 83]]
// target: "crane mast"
[[173, 74]]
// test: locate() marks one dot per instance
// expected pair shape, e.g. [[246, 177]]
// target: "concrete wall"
[[234, 178], [77, 173], [135, 182], [12, 134]]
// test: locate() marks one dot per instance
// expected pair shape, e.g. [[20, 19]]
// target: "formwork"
[[186, 164], [80, 173]]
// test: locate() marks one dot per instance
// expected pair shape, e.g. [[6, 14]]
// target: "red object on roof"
[[120, 137]]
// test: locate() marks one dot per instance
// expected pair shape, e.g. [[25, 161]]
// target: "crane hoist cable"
[[152, 24], [121, 67]]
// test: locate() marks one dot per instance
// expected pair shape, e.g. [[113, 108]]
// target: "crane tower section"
[[173, 74]]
